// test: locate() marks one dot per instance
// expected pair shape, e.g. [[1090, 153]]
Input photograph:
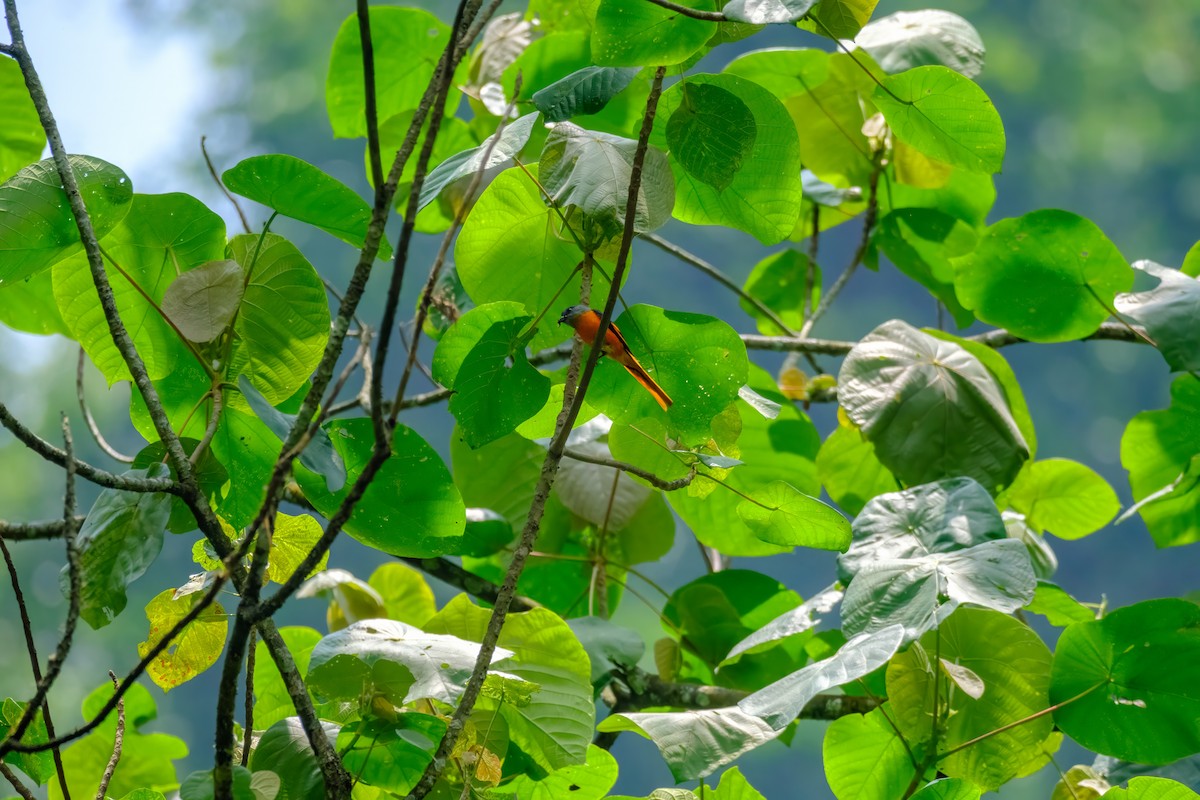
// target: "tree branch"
[[694, 13], [646, 475], [118, 742], [90, 421], [448, 572], [32, 531]]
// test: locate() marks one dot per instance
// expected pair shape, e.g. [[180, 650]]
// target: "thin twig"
[[90, 421], [694, 13], [212, 170], [21, 789], [633, 469], [217, 393], [363, 13], [83, 469], [118, 742]]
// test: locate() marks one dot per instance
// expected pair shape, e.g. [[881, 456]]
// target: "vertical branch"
[[368, 61], [566, 420], [248, 712], [118, 742]]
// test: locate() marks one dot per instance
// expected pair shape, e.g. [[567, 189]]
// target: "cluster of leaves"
[[934, 456]]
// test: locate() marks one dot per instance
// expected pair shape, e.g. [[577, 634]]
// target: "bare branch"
[[90, 421], [694, 13], [646, 475], [212, 170], [21, 789], [447, 571], [118, 742]]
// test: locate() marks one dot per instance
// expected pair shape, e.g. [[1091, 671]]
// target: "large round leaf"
[[735, 155], [413, 479], [21, 137], [283, 323], [849, 470], [1127, 682], [482, 359], [513, 247], [993, 670], [945, 116], [1049, 276], [643, 34], [1064, 497], [162, 236], [39, 229], [931, 408], [865, 758], [299, 190], [1161, 450], [407, 43], [910, 39]]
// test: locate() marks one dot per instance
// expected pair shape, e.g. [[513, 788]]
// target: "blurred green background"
[[1098, 101]]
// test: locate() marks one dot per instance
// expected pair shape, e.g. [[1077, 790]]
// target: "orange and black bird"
[[586, 322]]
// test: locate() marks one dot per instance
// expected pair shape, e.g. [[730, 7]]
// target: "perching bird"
[[586, 322]]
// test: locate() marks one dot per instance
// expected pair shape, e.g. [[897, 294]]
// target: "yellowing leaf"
[[194, 650]]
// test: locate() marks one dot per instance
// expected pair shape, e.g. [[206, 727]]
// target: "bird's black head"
[[569, 314]]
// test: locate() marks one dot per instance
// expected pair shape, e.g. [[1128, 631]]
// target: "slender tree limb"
[[90, 421], [694, 13], [33, 531], [448, 572], [118, 742], [720, 277], [21, 789], [632, 469], [212, 170], [362, 11], [550, 465], [83, 469], [859, 253], [248, 708]]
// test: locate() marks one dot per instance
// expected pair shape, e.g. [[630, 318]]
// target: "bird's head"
[[573, 313]]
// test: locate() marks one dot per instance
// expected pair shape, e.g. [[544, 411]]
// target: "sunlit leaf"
[[766, 12], [864, 757], [195, 649], [782, 515], [285, 750], [21, 136], [643, 34], [272, 701], [841, 19], [1063, 497], [201, 302], [38, 766], [910, 39]]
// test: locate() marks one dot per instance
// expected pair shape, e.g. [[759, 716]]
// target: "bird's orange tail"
[[641, 376]]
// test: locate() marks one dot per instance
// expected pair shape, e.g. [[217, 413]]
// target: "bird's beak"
[[563, 317]]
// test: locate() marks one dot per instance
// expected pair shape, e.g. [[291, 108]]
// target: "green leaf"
[[284, 321], [555, 726], [512, 247], [1168, 311], [272, 701], [734, 786], [1191, 262], [21, 136], [28, 305], [1152, 788], [1059, 608], [200, 785], [1013, 664], [284, 749], [921, 242], [407, 43], [145, 757], [840, 19], [1127, 677], [487, 533], [1049, 276], [767, 12], [781, 702], [585, 91], [395, 660], [695, 743], [201, 302], [780, 514], [607, 645], [453, 175], [249, 450], [949, 789], [318, 455], [391, 756], [297, 189], [909, 39], [38, 766], [120, 538], [711, 134], [482, 359], [350, 599], [591, 171], [588, 781], [698, 360], [849, 470], [865, 758], [39, 229], [161, 236], [412, 478], [405, 593], [944, 116], [643, 34], [194, 650], [714, 613], [931, 408], [779, 282], [291, 541], [763, 193], [1160, 449], [1064, 497]]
